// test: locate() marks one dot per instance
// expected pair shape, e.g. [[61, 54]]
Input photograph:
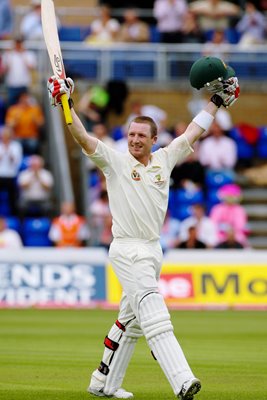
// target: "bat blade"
[[50, 32]]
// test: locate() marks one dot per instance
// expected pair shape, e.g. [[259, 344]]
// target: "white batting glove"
[[228, 90], [56, 87]]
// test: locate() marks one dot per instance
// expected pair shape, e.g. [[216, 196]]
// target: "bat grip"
[[66, 109]]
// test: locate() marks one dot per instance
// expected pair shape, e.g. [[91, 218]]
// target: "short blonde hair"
[[143, 119]]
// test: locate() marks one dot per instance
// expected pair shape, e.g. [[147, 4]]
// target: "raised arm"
[[57, 87], [219, 80]]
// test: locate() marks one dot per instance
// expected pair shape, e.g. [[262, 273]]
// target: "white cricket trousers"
[[137, 264]]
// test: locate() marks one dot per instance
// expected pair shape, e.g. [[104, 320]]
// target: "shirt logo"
[[135, 175]]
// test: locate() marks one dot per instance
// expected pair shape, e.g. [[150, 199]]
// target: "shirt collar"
[[134, 162]]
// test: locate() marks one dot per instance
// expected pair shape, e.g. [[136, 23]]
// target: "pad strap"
[[103, 368], [110, 344], [120, 326]]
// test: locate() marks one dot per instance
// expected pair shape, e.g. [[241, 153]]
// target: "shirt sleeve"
[[178, 150], [104, 157]]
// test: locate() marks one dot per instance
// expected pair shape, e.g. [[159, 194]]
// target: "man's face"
[[140, 141]]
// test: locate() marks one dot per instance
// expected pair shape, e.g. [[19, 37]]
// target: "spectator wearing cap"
[[230, 215]]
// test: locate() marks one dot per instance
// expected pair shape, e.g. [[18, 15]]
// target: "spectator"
[[10, 161], [104, 29], [133, 30], [6, 20], [17, 64], [217, 151], [189, 175], [192, 242], [9, 238], [230, 242], [69, 229], [206, 230], [230, 214], [169, 232], [214, 14], [26, 118], [100, 131], [218, 46], [191, 29], [35, 184], [170, 16], [93, 106], [252, 26], [101, 221], [31, 24]]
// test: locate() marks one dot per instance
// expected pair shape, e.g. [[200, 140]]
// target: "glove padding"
[[228, 90], [56, 87]]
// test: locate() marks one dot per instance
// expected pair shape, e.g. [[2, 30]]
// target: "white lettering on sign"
[[177, 287]]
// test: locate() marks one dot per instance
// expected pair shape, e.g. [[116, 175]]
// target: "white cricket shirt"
[[138, 194]]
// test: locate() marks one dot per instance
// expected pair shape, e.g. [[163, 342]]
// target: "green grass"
[[50, 354]]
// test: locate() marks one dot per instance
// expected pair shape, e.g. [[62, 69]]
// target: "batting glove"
[[228, 90], [56, 87]]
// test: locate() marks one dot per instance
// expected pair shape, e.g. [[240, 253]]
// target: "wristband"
[[71, 103], [204, 120], [217, 100]]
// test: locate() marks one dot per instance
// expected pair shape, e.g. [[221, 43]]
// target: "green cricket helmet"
[[207, 69]]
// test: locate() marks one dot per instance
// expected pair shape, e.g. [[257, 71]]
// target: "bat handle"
[[66, 109]]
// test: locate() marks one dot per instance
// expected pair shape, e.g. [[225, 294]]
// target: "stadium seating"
[[35, 232], [4, 203], [13, 222], [73, 33], [261, 149], [216, 179], [245, 151]]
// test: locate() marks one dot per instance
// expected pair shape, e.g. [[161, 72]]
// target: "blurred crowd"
[[205, 209]]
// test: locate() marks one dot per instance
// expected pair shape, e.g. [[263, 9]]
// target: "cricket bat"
[[50, 32]]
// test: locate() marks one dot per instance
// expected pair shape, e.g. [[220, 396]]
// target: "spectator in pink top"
[[230, 215], [170, 16]]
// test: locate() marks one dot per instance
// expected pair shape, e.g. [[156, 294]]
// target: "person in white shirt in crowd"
[[206, 229], [17, 67], [9, 238], [104, 29], [217, 151], [214, 14], [10, 162], [252, 26], [169, 232], [31, 24], [170, 16], [35, 186]]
